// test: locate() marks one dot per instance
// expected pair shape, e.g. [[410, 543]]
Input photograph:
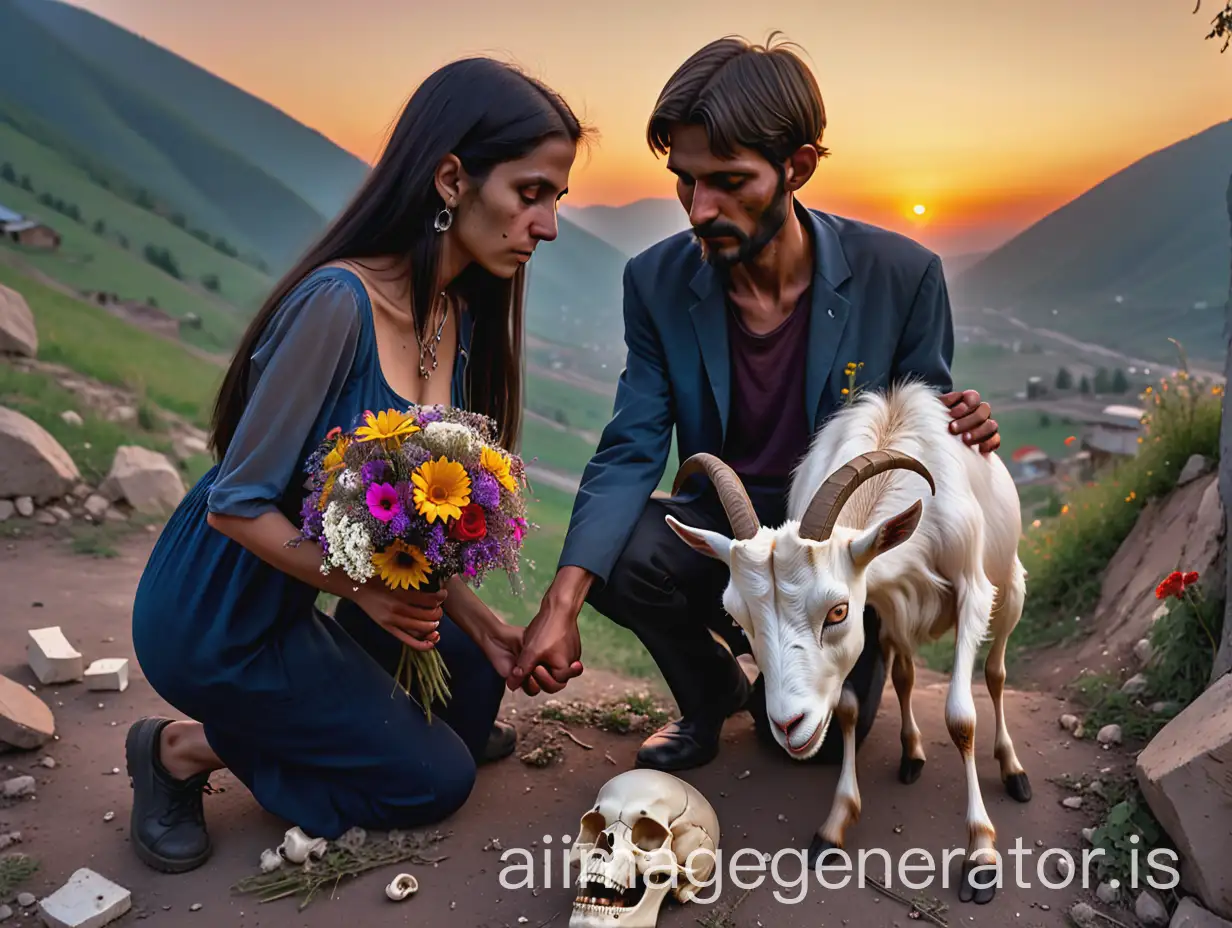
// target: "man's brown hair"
[[761, 97]]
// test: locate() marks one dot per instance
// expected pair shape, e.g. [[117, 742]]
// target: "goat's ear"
[[711, 544], [888, 534]]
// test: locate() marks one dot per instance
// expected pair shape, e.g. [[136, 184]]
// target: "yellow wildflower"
[[388, 425], [497, 465], [442, 488]]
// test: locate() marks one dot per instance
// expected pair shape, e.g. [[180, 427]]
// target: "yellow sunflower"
[[497, 465], [334, 460], [402, 566], [388, 425], [442, 488]]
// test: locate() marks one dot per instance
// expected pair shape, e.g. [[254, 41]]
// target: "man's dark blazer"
[[877, 297]]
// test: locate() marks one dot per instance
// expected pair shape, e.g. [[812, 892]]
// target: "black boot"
[[168, 822], [693, 740], [501, 742]]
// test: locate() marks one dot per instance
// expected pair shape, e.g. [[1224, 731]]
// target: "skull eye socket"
[[593, 824], [649, 835], [837, 614]]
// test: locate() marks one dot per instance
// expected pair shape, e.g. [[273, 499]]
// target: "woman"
[[413, 295]]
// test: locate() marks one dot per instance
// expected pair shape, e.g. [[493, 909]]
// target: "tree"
[[1221, 25], [8, 174], [1065, 380], [1084, 385], [211, 283], [26, 184], [1103, 382], [1120, 383], [100, 227]]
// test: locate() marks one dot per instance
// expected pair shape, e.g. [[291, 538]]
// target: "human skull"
[[648, 834]]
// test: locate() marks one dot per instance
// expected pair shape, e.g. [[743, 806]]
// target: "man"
[[743, 346]]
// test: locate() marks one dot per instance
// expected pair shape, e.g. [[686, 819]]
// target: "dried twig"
[[924, 911], [582, 744], [610, 759], [1108, 918], [724, 919]]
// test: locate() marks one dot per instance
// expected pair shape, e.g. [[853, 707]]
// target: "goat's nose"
[[790, 725]]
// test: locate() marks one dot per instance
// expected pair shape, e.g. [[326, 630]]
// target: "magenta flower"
[[383, 501]]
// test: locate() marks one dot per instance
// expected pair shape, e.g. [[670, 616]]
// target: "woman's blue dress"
[[299, 706]]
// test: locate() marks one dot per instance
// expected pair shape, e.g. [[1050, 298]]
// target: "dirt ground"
[[764, 800]]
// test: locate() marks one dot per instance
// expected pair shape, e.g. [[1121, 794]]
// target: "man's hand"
[[551, 646], [973, 420]]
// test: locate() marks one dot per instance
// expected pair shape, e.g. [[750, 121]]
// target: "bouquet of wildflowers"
[[416, 498]]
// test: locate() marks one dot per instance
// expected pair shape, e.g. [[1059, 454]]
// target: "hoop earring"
[[444, 219]]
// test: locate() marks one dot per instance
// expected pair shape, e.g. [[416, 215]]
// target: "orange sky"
[[990, 114]]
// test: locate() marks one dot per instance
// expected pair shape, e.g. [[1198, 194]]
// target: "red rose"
[[472, 526]]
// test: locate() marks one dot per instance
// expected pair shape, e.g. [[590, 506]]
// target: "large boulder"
[[1185, 773], [145, 479], [17, 332], [1223, 660], [32, 462]]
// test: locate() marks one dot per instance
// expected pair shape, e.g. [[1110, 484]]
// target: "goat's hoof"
[[817, 848], [910, 768], [1018, 786], [978, 887]]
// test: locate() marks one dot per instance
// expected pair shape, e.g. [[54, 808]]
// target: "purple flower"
[[429, 416], [383, 501], [435, 544], [414, 454], [479, 555], [485, 490], [374, 470], [400, 524]]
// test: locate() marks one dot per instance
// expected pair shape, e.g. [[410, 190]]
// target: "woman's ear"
[[449, 180]]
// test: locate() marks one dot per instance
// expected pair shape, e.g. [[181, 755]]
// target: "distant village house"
[[28, 232]]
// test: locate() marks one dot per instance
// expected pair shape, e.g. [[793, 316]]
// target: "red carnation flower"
[[472, 525]]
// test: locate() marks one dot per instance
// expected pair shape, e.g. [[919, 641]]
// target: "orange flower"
[[1071, 440], [1175, 583]]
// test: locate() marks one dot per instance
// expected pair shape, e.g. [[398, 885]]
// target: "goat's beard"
[[749, 247]]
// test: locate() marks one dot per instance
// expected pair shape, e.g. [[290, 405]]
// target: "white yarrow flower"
[[450, 439], [349, 545]]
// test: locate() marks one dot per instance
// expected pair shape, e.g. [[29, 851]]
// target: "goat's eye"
[[837, 614]]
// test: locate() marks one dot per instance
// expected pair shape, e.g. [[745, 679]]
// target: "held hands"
[[551, 647], [410, 616], [973, 420]]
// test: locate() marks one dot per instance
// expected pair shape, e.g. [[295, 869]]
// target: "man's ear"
[[800, 167], [711, 544], [888, 534]]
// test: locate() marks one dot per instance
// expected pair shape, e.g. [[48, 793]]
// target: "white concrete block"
[[87, 900], [51, 657], [108, 673]]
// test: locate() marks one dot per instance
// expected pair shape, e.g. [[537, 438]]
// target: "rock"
[[1135, 685], [1194, 468], [1084, 916], [1088, 835], [26, 721], [186, 446], [1068, 722], [6, 912], [1164, 708], [1150, 911], [1109, 734], [18, 334], [87, 900], [32, 463], [61, 514], [51, 657], [1191, 915], [71, 417], [96, 506], [108, 673], [25, 506], [7, 510], [1106, 893], [1143, 651], [1183, 774], [43, 517], [1072, 802], [122, 414], [25, 900], [18, 787], [145, 479]]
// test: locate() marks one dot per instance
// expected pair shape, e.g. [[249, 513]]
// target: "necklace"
[[430, 348]]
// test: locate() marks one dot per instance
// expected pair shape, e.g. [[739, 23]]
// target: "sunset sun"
[[918, 209]]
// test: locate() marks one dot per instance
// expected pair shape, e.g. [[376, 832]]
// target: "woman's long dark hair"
[[486, 113]]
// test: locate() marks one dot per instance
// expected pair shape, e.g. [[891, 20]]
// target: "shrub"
[[1066, 556]]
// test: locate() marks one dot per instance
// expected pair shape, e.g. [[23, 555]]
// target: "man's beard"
[[748, 246]]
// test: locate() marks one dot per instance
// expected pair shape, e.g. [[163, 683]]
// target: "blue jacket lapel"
[[828, 311], [709, 315]]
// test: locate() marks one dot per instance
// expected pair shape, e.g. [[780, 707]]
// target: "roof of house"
[[1124, 412], [19, 226], [7, 215]]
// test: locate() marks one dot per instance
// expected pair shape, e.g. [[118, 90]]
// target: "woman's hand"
[[410, 616], [502, 644]]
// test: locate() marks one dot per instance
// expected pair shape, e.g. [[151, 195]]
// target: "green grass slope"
[[316, 169], [137, 136], [575, 295], [1154, 234]]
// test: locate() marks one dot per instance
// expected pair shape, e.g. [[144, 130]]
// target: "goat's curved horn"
[[822, 514], [732, 494]]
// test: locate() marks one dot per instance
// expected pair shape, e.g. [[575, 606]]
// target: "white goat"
[[858, 533]]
